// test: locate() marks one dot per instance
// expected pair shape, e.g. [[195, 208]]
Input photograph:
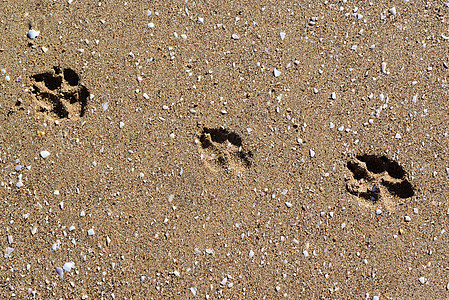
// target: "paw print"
[[377, 178]]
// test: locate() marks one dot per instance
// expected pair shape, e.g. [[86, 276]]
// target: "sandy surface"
[[246, 150]]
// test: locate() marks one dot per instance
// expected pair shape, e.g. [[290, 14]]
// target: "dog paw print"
[[222, 149], [59, 94], [377, 178]]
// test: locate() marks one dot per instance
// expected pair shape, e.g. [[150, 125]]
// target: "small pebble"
[[91, 232], [235, 37], [145, 95], [251, 254], [282, 34], [193, 290], [422, 279], [383, 67], [121, 125], [276, 72], [45, 154], [397, 136], [392, 10], [333, 96], [68, 266], [378, 211], [288, 204], [407, 219], [150, 25], [32, 34], [59, 271], [311, 153], [375, 297]]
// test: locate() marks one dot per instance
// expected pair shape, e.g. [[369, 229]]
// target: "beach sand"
[[238, 150]]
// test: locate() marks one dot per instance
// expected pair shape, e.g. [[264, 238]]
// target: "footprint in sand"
[[378, 179], [59, 94], [223, 150]]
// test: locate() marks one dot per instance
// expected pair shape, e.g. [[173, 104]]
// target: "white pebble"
[[121, 124], [145, 95], [305, 253], [331, 125], [193, 290], [375, 297], [32, 34], [392, 10], [251, 254], [282, 34], [407, 219], [91, 232], [276, 72], [422, 279], [311, 153], [378, 211], [397, 136], [68, 266], [383, 67], [200, 20], [288, 204], [45, 154], [235, 36], [333, 96], [150, 25]]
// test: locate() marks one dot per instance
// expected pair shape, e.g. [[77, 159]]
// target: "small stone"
[[383, 67], [378, 211], [422, 279], [82, 213], [59, 271], [305, 253], [288, 204], [333, 96], [45, 154], [145, 95], [331, 125], [91, 232], [108, 240], [276, 72], [193, 290], [172, 135], [282, 34], [68, 266], [392, 10], [150, 25], [311, 153], [397, 136], [33, 230], [235, 36], [32, 34], [44, 49], [251, 254], [407, 219]]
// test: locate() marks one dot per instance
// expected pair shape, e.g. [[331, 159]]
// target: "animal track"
[[224, 149], [59, 94], [374, 177]]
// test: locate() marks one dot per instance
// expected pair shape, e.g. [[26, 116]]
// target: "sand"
[[238, 150]]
